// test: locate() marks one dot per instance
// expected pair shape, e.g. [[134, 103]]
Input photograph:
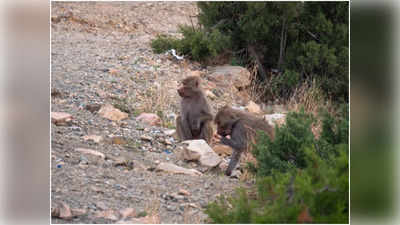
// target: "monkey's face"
[[224, 123], [189, 87], [224, 130]]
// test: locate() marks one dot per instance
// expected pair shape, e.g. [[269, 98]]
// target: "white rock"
[[172, 168], [109, 112], [91, 151], [169, 132], [201, 151], [276, 118]]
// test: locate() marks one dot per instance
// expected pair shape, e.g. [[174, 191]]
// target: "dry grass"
[[310, 97], [157, 100]]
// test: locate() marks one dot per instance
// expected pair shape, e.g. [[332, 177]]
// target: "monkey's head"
[[225, 119], [190, 86]]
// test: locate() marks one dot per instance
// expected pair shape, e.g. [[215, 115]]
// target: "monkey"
[[242, 128], [195, 119]]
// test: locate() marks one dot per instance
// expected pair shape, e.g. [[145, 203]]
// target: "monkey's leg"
[[183, 129], [207, 132], [234, 160]]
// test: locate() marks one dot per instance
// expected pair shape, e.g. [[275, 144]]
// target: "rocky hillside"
[[114, 155]]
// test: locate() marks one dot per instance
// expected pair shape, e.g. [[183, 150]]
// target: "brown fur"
[[242, 128], [195, 119]]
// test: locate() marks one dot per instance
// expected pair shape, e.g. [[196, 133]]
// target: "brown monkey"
[[195, 119], [242, 128]]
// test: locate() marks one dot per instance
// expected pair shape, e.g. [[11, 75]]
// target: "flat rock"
[[109, 112], [108, 214], [149, 118], [169, 132], [146, 137], [128, 212], [91, 152], [223, 150], [230, 75], [253, 108], [94, 138], [154, 219], [172, 168], [62, 211], [275, 119], [60, 118], [199, 150]]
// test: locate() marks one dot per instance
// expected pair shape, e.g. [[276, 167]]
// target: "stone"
[[118, 140], [172, 168], [128, 212], [253, 108], [94, 138], [275, 119], [196, 73], [169, 132], [101, 206], [62, 211], [223, 150], [183, 192], [149, 118], [93, 107], [109, 112], [78, 212], [199, 150], [149, 219], [236, 174], [228, 75], [91, 152], [210, 94], [61, 118], [146, 137], [108, 214]]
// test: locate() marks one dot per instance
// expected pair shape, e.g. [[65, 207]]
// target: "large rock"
[[253, 107], [149, 118], [275, 119], [172, 168], [230, 75], [201, 151], [61, 118], [108, 111]]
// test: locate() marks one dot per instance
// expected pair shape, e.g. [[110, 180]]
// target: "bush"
[[294, 183], [197, 45], [286, 150]]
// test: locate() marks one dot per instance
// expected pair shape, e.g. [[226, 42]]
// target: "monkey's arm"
[[183, 129], [238, 138]]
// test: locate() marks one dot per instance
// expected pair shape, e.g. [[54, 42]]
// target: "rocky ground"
[[105, 170]]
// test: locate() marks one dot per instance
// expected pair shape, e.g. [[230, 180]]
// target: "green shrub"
[[196, 44], [285, 190], [164, 43], [286, 150]]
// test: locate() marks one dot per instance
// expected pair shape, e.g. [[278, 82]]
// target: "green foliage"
[[164, 43], [289, 187], [305, 40], [196, 44], [286, 151]]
